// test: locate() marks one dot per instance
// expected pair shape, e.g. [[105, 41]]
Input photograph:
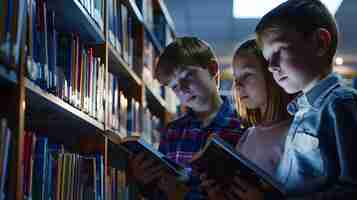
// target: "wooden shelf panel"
[[129, 81], [134, 8], [113, 136], [155, 102], [7, 76], [167, 15], [153, 39], [119, 67], [75, 18], [46, 109]]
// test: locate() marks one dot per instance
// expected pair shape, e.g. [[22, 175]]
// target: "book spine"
[[5, 148], [40, 166]]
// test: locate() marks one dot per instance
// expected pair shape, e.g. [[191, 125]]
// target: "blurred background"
[[224, 23]]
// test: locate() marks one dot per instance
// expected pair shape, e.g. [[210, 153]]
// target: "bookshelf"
[[68, 102], [75, 18], [7, 76]]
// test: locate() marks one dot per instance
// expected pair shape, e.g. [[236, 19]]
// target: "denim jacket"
[[320, 157]]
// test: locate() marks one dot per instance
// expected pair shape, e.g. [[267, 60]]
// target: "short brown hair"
[[183, 52], [277, 98], [302, 16]]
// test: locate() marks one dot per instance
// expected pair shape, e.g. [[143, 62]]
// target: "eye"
[[236, 82], [174, 87], [188, 75], [246, 77]]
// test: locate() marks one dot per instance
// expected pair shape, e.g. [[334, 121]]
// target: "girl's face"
[[249, 82]]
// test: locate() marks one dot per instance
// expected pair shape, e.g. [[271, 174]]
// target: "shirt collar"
[[226, 110], [316, 95]]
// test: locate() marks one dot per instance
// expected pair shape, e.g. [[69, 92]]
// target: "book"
[[220, 162], [5, 139], [12, 26], [40, 168], [135, 145]]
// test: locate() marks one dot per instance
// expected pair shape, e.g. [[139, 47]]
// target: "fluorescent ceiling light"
[[258, 8]]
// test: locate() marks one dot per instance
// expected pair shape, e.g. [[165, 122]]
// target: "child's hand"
[[167, 184], [213, 190], [244, 190], [144, 170]]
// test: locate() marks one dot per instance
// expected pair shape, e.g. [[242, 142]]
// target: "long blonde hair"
[[277, 98]]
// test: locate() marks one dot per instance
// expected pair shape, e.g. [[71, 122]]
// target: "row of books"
[[124, 113], [50, 172], [156, 21], [151, 128], [63, 65], [5, 139], [146, 8], [162, 30], [127, 116], [117, 184], [121, 26], [12, 27], [95, 9]]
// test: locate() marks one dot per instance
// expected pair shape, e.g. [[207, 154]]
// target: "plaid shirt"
[[185, 136]]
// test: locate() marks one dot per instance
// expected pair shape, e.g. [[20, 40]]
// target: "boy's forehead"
[[270, 37], [166, 78]]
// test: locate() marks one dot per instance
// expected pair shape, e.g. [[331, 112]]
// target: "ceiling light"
[[258, 8], [339, 61]]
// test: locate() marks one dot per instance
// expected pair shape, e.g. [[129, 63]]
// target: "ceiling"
[[212, 20]]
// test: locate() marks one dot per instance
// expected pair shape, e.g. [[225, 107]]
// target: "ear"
[[323, 37], [213, 68]]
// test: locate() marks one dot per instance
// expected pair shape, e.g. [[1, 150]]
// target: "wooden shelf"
[[119, 67], [155, 102], [52, 111], [113, 136], [134, 8], [7, 76], [167, 15], [74, 18], [153, 38]]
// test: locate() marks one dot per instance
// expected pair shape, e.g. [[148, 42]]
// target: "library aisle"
[[76, 78]]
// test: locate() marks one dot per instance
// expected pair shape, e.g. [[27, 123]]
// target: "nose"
[[273, 68], [183, 85], [239, 87], [274, 64]]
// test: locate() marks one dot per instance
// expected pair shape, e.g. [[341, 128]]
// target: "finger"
[[229, 196], [203, 176], [137, 159], [241, 184], [237, 192], [215, 189], [207, 183], [148, 163], [153, 170], [150, 177]]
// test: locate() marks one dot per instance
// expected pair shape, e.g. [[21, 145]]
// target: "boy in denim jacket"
[[299, 40]]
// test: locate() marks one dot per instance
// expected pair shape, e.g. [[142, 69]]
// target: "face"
[[194, 86], [292, 59], [249, 82]]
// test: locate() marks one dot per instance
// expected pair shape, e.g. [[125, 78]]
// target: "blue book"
[[40, 166], [52, 48], [99, 176], [5, 136], [119, 25]]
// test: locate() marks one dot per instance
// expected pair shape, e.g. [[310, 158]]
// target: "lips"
[[282, 78], [191, 98], [243, 97]]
